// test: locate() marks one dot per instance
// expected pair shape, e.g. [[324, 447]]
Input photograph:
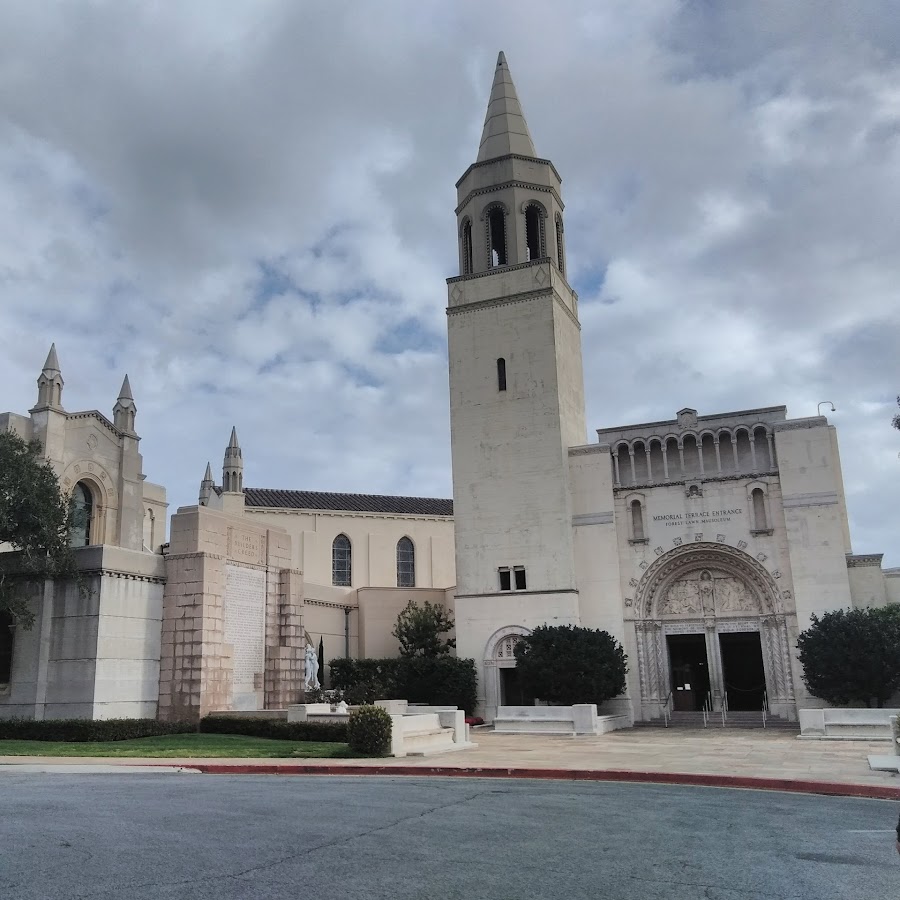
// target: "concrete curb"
[[797, 786]]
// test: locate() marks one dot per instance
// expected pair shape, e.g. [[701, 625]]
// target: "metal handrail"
[[665, 710], [707, 708], [724, 707], [765, 707]]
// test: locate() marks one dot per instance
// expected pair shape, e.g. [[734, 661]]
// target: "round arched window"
[[82, 512]]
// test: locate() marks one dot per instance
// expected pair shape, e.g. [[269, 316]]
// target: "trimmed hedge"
[[436, 680], [275, 728], [79, 731]]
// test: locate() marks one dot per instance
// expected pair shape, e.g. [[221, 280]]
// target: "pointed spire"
[[207, 475], [125, 391], [505, 129], [50, 383], [52, 363], [233, 443], [206, 486]]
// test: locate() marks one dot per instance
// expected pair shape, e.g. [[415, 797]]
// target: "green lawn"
[[173, 746]]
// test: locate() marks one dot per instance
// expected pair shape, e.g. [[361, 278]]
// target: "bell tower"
[[516, 385]]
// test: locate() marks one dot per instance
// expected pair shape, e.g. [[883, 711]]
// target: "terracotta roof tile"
[[371, 503]]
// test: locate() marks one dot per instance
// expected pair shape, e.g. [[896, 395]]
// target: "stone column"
[[771, 451], [718, 456], [631, 459], [753, 451], [714, 664], [649, 469], [615, 456], [665, 457]]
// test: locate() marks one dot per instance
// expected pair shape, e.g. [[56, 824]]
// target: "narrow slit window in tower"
[[519, 572], [467, 267], [501, 374], [505, 583], [560, 256], [497, 236]]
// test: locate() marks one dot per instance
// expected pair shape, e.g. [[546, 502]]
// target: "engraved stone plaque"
[[246, 546], [245, 629]]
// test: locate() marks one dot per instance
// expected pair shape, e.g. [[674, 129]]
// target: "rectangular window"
[[505, 584], [501, 374], [520, 578]]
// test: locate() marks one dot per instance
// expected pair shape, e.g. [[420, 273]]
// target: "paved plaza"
[[162, 837], [714, 751]]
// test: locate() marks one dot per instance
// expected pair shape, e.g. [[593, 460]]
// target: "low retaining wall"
[[582, 718], [317, 712], [847, 724]]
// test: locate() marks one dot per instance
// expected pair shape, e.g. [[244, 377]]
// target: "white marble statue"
[[312, 669]]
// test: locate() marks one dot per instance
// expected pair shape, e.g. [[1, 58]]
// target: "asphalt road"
[[206, 836]]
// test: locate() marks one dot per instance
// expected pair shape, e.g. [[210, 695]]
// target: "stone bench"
[[581, 718], [846, 724]]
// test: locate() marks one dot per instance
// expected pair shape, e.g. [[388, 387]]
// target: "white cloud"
[[249, 207]]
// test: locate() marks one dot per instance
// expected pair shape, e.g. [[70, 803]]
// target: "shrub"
[[347, 673], [369, 731], [568, 664], [852, 656], [83, 730], [420, 630], [275, 728], [438, 681]]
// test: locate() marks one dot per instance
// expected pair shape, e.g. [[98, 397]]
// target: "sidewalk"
[[712, 756]]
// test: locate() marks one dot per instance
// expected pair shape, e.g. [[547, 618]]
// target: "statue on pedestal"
[[312, 670]]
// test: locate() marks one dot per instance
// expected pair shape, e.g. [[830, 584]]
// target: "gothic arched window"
[[406, 563], [82, 513], [466, 247], [341, 564], [560, 252], [6, 646], [496, 236], [534, 232]]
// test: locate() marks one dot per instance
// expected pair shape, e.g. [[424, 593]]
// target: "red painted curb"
[[831, 788]]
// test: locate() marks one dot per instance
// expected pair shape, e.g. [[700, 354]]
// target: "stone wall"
[[232, 633]]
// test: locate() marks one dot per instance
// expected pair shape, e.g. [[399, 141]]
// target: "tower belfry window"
[[534, 232], [496, 234]]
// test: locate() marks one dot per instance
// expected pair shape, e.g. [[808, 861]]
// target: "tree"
[[419, 630], [852, 656], [896, 420], [35, 519], [568, 664]]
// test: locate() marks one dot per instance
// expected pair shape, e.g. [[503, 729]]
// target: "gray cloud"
[[250, 208]]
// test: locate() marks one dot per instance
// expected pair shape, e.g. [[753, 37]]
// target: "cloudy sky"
[[248, 206]]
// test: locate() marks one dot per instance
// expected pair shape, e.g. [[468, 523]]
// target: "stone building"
[[703, 542], [94, 654]]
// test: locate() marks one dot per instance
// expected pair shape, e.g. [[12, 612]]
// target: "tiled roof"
[[370, 503]]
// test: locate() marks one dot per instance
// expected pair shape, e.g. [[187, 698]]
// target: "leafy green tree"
[[896, 420], [35, 519], [852, 656], [568, 664], [420, 630]]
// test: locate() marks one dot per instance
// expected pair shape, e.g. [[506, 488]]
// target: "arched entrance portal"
[[710, 628], [501, 684]]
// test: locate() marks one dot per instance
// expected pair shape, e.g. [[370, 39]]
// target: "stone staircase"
[[735, 719]]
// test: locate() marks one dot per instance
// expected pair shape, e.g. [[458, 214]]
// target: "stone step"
[[742, 719]]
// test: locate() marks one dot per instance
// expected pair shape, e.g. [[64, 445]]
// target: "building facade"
[[92, 653], [703, 543]]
